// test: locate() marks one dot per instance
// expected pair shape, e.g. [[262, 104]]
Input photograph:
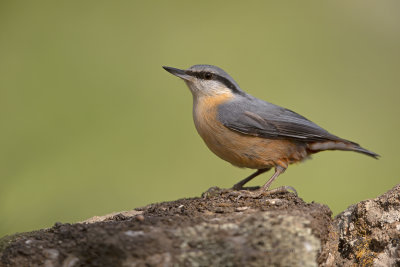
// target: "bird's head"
[[206, 80]]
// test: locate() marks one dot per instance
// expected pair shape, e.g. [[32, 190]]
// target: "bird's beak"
[[177, 72]]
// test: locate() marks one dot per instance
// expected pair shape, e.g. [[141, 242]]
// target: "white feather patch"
[[330, 145]]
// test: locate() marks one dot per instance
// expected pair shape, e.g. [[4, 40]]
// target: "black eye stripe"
[[208, 75], [202, 75], [199, 75]]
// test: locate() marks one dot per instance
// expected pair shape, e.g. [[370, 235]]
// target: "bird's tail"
[[344, 145]]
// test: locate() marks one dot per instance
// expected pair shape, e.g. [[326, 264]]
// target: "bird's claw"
[[261, 193], [248, 188]]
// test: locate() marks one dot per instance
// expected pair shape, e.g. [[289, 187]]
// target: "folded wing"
[[259, 118]]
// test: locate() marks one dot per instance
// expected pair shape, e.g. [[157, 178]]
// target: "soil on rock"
[[218, 228]]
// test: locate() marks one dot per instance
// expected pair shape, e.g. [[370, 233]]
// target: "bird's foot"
[[258, 193], [282, 189], [248, 188]]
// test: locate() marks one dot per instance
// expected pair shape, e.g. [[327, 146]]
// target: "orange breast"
[[239, 149]]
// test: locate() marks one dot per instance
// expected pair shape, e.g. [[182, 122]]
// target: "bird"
[[252, 133]]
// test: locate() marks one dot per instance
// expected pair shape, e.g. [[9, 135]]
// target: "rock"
[[368, 233], [220, 229]]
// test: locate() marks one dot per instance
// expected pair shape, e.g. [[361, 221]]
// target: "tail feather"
[[366, 152], [340, 145]]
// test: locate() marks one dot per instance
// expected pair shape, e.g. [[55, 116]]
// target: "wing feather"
[[252, 116]]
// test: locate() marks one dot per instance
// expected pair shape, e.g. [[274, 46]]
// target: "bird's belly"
[[250, 151], [244, 150]]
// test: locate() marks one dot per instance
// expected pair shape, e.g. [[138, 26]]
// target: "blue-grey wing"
[[252, 116]]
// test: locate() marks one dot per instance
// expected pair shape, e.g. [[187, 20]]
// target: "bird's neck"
[[206, 103]]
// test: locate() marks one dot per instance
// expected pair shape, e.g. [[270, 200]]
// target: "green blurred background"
[[91, 123]]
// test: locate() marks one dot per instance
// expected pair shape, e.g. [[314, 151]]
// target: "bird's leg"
[[278, 171], [239, 185], [264, 189]]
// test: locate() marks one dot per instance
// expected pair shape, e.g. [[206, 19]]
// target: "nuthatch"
[[249, 132]]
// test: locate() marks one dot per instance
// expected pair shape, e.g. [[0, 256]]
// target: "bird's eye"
[[208, 76]]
